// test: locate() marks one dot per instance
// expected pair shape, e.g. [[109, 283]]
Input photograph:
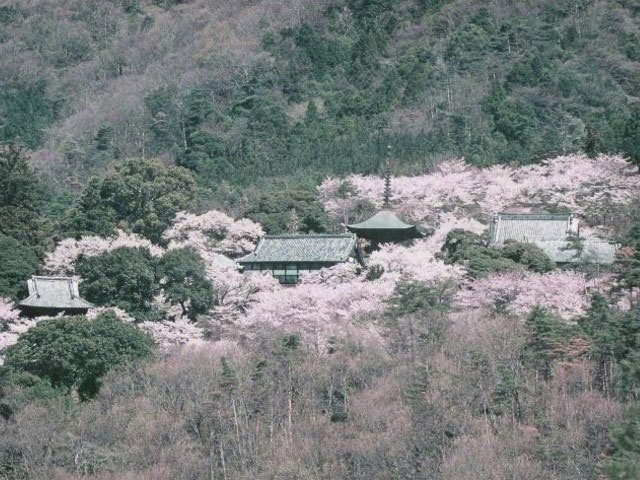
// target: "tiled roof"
[[54, 292], [302, 248], [550, 232], [528, 227], [385, 226], [383, 220], [594, 250]]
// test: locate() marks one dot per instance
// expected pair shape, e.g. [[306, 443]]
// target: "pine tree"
[[546, 337]]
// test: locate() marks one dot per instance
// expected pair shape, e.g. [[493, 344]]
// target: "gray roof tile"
[[54, 292], [594, 250], [550, 232], [528, 227], [302, 248]]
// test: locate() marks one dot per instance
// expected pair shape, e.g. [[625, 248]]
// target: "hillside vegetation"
[[146, 145], [239, 90]]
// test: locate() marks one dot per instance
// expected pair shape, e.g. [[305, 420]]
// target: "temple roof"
[[54, 292], [550, 233], [529, 227], [385, 226], [302, 248], [592, 250]]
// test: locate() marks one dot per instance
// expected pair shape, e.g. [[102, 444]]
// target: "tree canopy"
[[75, 353], [138, 195]]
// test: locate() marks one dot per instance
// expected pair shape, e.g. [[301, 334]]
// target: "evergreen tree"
[[624, 459], [546, 337], [18, 262], [184, 282], [72, 352], [20, 197], [631, 137], [125, 278]]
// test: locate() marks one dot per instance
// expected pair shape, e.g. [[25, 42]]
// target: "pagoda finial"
[[387, 181]]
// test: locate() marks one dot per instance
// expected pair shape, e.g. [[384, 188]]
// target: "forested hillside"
[[240, 90], [147, 147]]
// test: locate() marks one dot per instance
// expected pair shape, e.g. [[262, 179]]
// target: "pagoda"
[[385, 226]]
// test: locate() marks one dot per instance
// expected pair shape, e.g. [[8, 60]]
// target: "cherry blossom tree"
[[565, 293], [61, 261], [418, 261], [581, 184], [11, 324], [319, 311], [167, 334], [214, 232]]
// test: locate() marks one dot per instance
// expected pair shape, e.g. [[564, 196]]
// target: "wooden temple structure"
[[385, 226], [53, 295], [287, 257]]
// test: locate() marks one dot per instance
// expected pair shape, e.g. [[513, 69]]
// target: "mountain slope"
[[239, 90]]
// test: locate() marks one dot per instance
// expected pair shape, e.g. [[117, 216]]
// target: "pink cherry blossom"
[[418, 261], [214, 232], [565, 293], [61, 261], [167, 334], [122, 315], [318, 311], [11, 324], [577, 182]]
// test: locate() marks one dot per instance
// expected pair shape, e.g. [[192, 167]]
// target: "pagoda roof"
[[302, 248], [54, 293], [385, 226]]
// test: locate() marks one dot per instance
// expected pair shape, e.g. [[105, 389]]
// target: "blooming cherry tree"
[[62, 259], [577, 182], [320, 310], [214, 232], [565, 293]]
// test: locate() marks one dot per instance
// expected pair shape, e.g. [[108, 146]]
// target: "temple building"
[[385, 226], [557, 235], [289, 256], [53, 295]]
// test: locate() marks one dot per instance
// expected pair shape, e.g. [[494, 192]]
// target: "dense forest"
[[146, 145]]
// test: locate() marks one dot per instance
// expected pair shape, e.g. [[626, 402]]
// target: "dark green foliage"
[[140, 195], [20, 197], [631, 142], [471, 250], [592, 142], [273, 210], [229, 379], [488, 83], [627, 265], [125, 278], [374, 272], [547, 335], [25, 111], [623, 462], [529, 255], [601, 324], [19, 387], [416, 318], [18, 262], [184, 282], [614, 338], [416, 298], [9, 13], [73, 352]]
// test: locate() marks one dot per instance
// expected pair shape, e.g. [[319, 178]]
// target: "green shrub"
[[75, 353], [125, 278]]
